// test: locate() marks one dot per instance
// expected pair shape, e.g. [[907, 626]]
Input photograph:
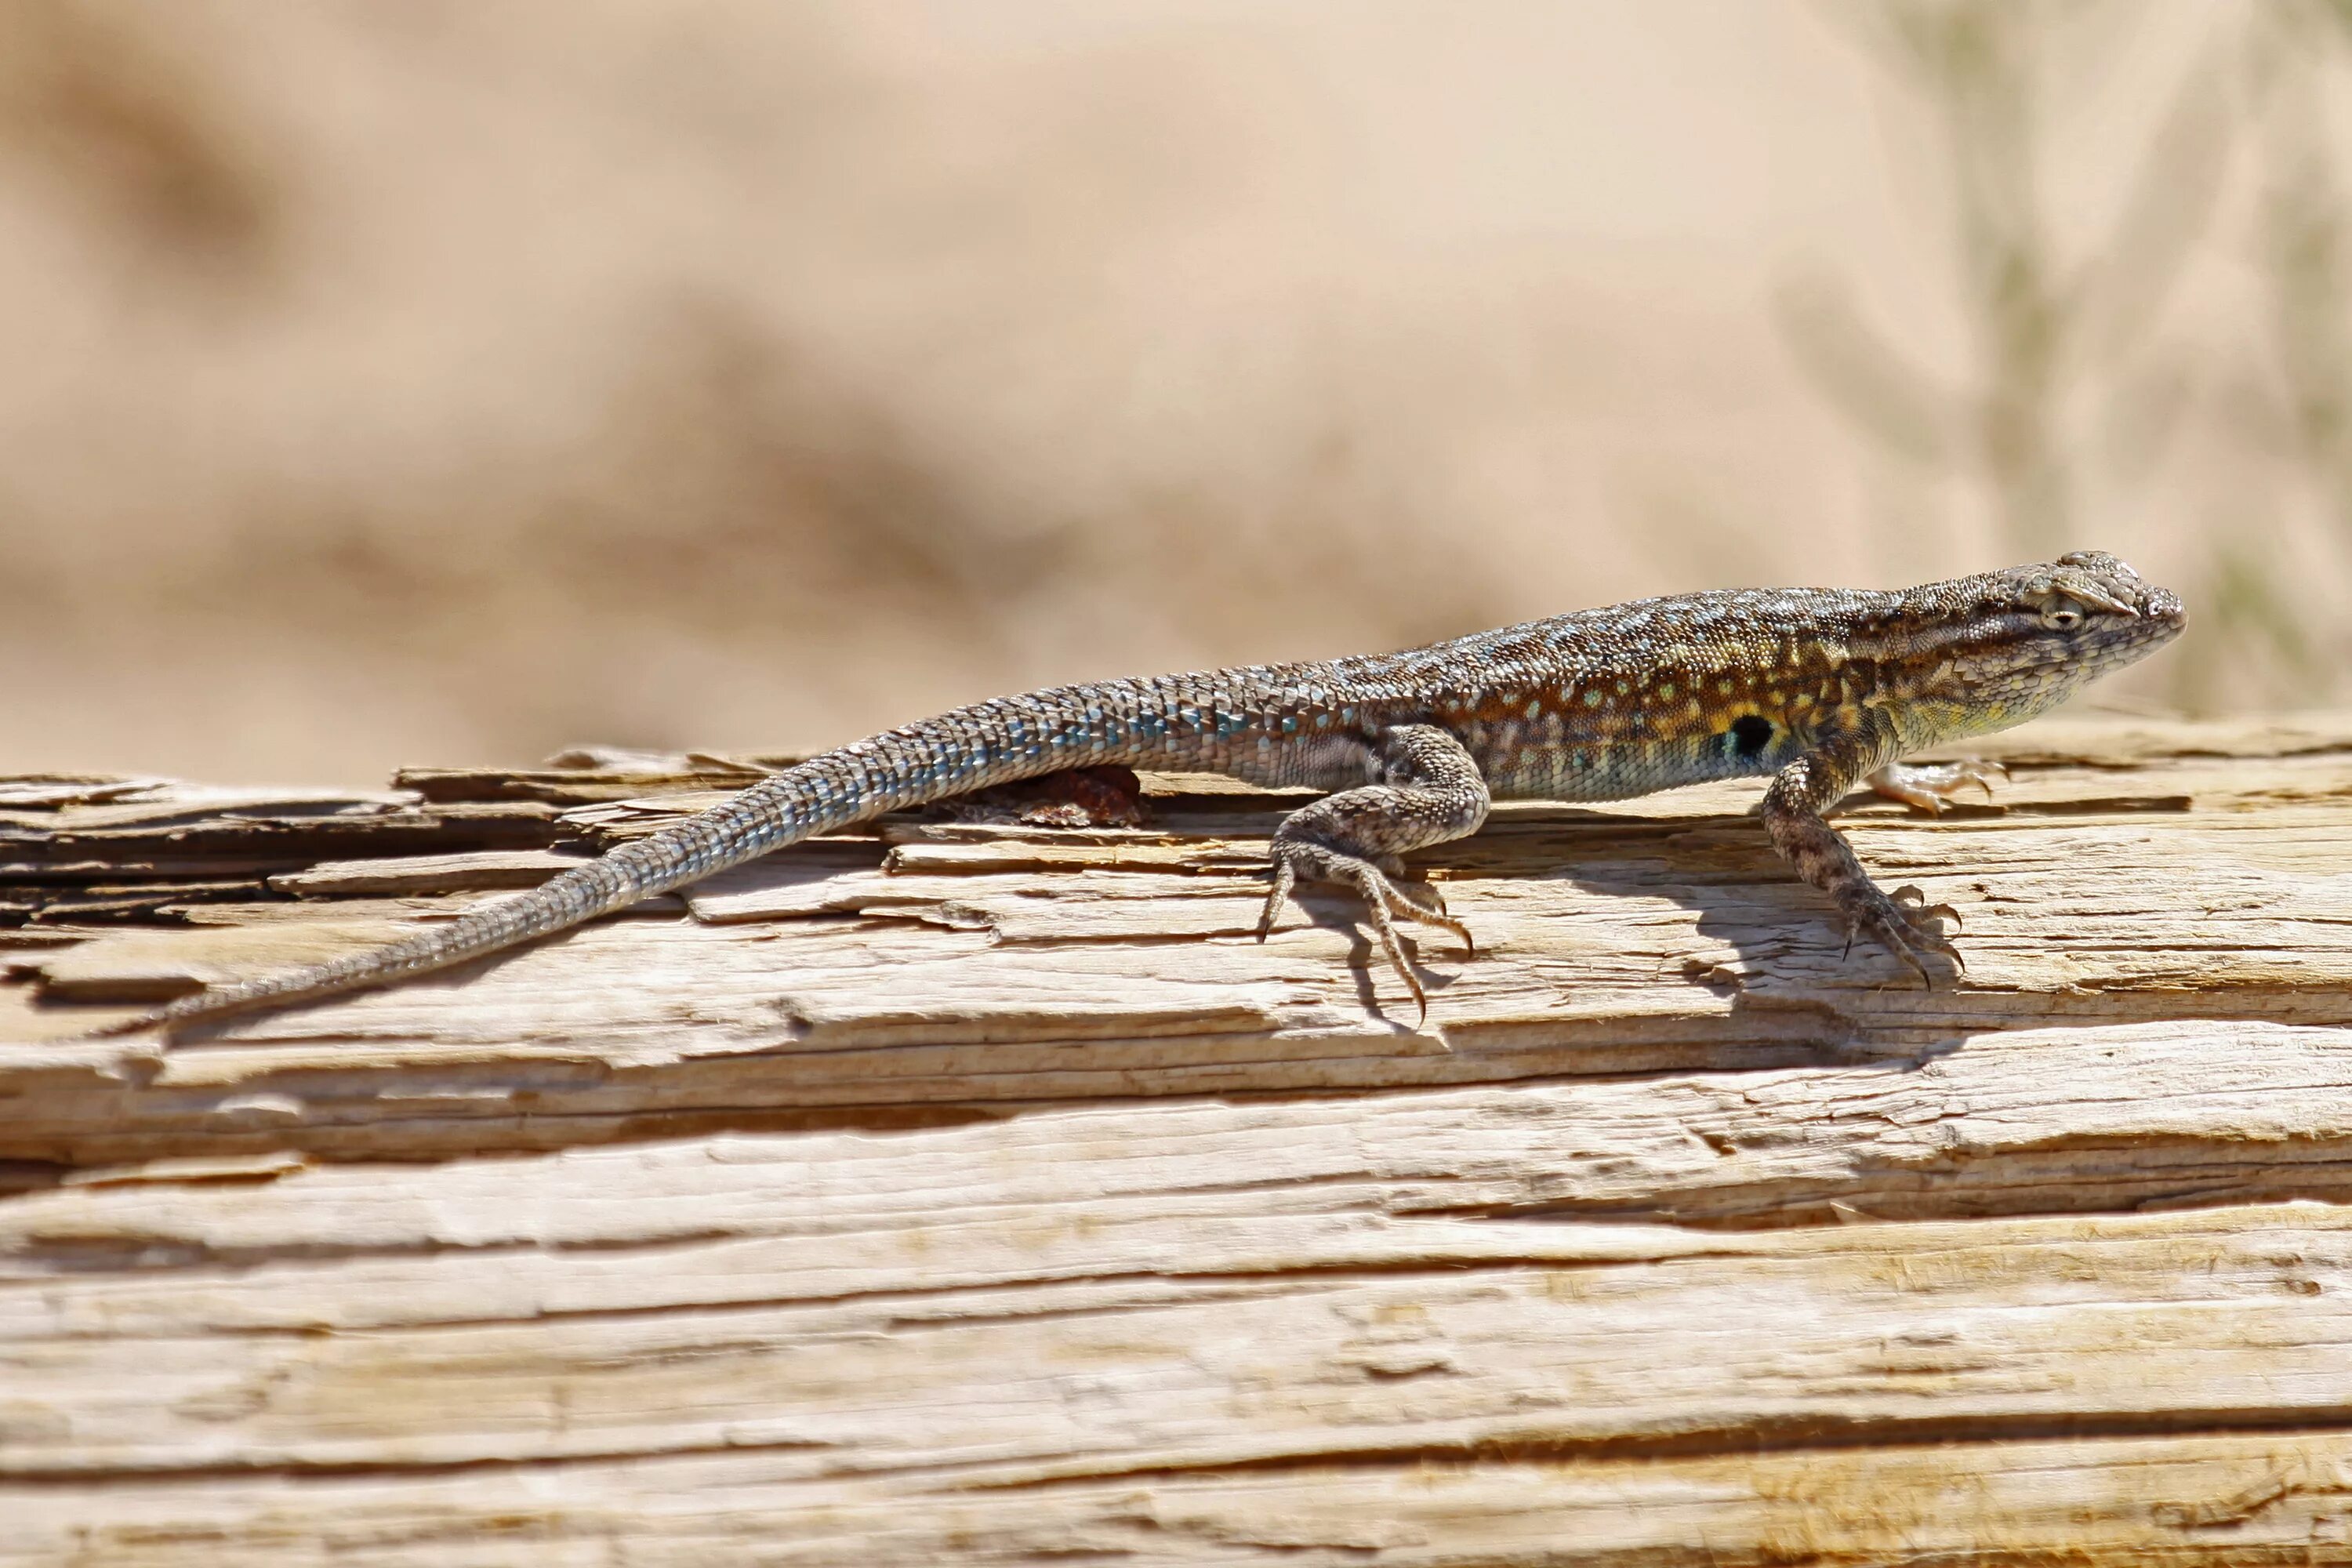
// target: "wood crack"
[[790, 1215]]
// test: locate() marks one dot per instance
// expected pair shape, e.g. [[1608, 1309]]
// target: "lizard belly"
[[1324, 762], [1610, 769]]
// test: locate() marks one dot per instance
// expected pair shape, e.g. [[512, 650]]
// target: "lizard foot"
[[1384, 902], [1930, 786], [1904, 924]]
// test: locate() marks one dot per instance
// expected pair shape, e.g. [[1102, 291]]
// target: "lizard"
[[1823, 689]]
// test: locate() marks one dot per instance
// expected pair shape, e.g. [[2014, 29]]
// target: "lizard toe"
[[1904, 925], [1920, 913], [1285, 879]]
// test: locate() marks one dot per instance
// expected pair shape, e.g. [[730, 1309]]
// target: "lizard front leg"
[[1430, 790], [1901, 922]]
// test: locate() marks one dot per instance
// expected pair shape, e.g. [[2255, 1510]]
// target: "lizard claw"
[[1904, 924]]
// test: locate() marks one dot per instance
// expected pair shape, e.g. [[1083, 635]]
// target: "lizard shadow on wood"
[[1786, 943]]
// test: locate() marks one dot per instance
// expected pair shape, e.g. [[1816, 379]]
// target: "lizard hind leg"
[[1430, 790]]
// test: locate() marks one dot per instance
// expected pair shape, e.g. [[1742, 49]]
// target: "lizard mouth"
[[2160, 618]]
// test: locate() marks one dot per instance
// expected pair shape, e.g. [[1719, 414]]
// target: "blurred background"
[[448, 381]]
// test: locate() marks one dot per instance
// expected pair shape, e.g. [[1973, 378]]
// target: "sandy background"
[[416, 382]]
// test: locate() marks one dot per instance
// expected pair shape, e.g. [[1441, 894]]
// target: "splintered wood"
[[959, 1191]]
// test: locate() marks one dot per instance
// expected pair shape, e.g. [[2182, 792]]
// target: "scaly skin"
[[1821, 688]]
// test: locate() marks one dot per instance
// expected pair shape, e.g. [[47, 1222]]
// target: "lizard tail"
[[692, 850], [970, 748]]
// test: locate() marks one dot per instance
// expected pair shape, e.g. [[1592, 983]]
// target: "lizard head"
[[1997, 649]]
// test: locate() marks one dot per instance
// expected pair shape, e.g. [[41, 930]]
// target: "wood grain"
[[953, 1191]]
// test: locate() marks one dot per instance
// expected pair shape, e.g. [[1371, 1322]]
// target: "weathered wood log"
[[956, 1192]]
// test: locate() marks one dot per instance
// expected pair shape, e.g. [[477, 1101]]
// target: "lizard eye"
[[2061, 617]]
